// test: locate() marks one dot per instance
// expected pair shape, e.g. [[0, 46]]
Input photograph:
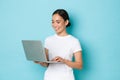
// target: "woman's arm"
[[78, 61], [76, 64]]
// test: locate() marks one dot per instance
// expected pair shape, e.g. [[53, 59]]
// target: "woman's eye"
[[58, 22], [52, 22]]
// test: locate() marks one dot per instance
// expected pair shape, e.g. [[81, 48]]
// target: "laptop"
[[34, 51]]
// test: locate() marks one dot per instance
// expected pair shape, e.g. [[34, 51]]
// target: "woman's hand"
[[42, 63], [58, 59]]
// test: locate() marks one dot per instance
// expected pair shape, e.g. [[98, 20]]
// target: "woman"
[[61, 47]]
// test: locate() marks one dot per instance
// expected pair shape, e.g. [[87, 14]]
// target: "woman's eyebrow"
[[55, 20], [58, 20]]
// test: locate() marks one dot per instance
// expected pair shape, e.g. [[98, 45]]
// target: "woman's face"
[[59, 24]]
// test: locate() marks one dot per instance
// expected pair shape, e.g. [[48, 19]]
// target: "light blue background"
[[96, 23]]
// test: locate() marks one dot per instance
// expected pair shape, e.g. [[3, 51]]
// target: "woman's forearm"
[[77, 65], [44, 64]]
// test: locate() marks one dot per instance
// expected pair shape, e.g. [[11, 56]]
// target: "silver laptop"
[[34, 51]]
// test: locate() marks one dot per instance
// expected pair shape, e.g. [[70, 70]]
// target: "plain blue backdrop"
[[96, 23]]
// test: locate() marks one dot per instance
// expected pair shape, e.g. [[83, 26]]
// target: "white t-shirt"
[[64, 47]]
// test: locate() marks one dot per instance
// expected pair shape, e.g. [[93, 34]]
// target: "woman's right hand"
[[42, 63]]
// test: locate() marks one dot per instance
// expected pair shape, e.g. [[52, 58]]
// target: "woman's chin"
[[58, 32]]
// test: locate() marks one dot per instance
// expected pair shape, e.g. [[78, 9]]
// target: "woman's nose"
[[54, 25]]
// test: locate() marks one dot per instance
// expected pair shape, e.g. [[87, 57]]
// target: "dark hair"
[[63, 13]]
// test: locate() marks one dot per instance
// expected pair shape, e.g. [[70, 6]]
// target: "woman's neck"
[[62, 34]]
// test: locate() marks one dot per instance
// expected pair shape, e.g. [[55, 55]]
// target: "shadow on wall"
[[80, 74]]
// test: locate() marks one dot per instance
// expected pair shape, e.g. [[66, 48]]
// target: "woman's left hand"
[[58, 59]]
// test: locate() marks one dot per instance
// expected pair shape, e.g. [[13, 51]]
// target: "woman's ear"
[[66, 22]]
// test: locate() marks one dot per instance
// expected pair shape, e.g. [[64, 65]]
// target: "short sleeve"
[[46, 44], [76, 46]]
